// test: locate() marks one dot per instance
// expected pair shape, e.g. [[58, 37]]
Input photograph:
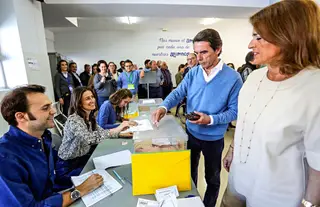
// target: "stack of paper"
[[112, 160], [143, 125], [110, 186]]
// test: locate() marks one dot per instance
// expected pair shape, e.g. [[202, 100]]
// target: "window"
[[3, 83]]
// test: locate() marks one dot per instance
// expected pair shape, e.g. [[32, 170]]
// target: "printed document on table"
[[190, 202], [112, 160], [110, 186]]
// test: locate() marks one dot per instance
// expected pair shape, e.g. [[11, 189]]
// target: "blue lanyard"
[[129, 78]]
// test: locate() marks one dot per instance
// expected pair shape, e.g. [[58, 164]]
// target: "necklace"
[[254, 123]]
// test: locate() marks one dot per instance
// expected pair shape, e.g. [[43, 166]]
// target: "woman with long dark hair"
[[95, 70], [104, 83], [63, 85], [112, 68], [81, 134], [114, 109]]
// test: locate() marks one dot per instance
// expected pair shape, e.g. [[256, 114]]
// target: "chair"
[[56, 141], [59, 118]]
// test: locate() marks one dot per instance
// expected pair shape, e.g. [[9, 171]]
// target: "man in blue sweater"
[[212, 89]]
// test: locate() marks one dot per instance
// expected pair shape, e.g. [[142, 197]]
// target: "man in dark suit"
[[85, 75], [121, 69], [192, 62], [73, 70]]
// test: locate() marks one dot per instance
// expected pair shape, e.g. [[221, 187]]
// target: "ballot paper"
[[170, 201], [143, 125], [163, 193], [181, 202], [110, 186], [147, 203], [149, 101], [112, 160]]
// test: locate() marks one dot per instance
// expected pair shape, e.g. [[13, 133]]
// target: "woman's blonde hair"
[[293, 26]]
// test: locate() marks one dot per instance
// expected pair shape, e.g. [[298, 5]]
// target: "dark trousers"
[[166, 90], [142, 91], [155, 92], [212, 152], [66, 104]]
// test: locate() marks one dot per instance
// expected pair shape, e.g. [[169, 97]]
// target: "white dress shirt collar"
[[65, 74], [214, 71]]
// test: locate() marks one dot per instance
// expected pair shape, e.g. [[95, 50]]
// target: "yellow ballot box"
[[151, 171]]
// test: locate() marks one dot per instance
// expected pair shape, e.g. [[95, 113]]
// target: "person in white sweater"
[[275, 157]]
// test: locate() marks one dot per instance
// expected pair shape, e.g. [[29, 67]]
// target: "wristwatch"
[[75, 195], [307, 204]]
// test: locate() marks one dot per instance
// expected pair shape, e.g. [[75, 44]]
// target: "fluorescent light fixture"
[[209, 21], [129, 20], [73, 20]]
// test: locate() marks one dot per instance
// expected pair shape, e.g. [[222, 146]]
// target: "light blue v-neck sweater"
[[218, 97]]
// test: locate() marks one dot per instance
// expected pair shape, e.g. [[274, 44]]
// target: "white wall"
[[50, 41], [89, 47], [10, 46], [33, 41], [22, 40]]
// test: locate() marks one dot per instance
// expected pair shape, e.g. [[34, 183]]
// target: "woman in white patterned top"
[[81, 135]]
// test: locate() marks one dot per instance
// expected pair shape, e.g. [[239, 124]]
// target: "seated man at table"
[[26, 158]]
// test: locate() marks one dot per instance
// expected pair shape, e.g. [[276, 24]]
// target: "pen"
[[161, 203], [118, 176], [128, 180]]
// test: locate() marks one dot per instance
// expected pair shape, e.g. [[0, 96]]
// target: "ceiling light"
[[208, 21], [73, 20], [128, 20]]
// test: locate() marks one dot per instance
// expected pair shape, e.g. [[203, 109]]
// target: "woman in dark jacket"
[[63, 85]]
